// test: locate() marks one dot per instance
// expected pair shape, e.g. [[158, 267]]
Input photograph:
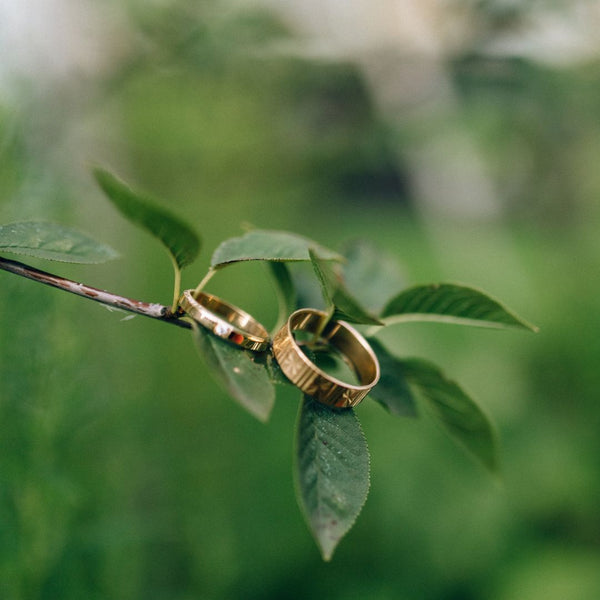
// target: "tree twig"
[[147, 309]]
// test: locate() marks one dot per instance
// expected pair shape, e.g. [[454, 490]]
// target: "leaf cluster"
[[332, 458], [359, 285]]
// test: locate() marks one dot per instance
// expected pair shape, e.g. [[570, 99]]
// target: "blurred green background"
[[462, 137]]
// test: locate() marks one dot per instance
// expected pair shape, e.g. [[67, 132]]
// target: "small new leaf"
[[261, 244], [53, 242], [182, 242], [248, 382], [392, 390], [449, 404], [336, 294], [331, 471], [450, 303]]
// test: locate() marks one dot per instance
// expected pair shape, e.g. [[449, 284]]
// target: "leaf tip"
[[492, 465], [101, 175], [327, 545], [327, 555], [263, 417], [522, 324]]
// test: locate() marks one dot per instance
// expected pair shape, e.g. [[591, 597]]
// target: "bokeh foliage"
[[125, 472]]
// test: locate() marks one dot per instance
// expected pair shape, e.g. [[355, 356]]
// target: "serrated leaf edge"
[[494, 467], [327, 556], [219, 265], [27, 251], [100, 174], [439, 318]]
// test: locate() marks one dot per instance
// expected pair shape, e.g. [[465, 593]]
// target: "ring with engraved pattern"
[[309, 378]]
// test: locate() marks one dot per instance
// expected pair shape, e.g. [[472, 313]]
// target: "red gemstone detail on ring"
[[236, 338]]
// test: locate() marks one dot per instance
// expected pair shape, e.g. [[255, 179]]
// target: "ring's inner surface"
[[326, 357], [233, 315], [342, 339]]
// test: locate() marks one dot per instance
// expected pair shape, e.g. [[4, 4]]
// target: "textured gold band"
[[225, 320], [308, 377]]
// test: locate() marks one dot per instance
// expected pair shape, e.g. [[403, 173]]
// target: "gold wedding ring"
[[308, 377], [225, 320]]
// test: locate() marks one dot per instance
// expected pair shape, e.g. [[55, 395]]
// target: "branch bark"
[[153, 310]]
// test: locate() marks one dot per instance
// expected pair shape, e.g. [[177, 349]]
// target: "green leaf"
[[286, 292], [246, 380], [258, 244], [308, 287], [392, 390], [464, 421], [331, 471], [370, 275], [178, 237], [276, 375], [450, 303], [52, 242], [335, 294]]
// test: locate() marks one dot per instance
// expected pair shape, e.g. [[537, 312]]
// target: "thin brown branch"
[[146, 309]]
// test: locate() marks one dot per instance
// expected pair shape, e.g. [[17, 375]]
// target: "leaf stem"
[[205, 280], [146, 309], [324, 321], [176, 285]]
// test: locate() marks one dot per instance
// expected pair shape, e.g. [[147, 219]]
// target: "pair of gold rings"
[[236, 326]]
